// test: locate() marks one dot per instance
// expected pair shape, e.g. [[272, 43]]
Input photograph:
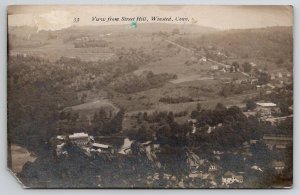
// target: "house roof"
[[239, 177], [61, 137], [270, 85], [267, 104], [78, 135], [228, 174], [100, 145], [276, 163], [146, 143], [255, 167], [277, 137]]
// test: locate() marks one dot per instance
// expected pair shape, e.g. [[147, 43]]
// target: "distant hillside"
[[141, 28], [21, 30], [271, 42], [144, 28]]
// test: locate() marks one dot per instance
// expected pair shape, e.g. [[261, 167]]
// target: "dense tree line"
[[38, 90], [272, 43], [105, 123], [230, 127], [132, 83], [233, 88], [78, 170], [175, 100]]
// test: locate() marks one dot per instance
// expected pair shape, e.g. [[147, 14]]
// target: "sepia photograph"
[[150, 96]]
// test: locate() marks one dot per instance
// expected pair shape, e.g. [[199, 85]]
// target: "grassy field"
[[90, 108], [195, 79], [55, 52], [209, 103]]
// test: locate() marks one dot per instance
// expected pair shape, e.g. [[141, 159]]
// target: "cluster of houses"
[[277, 141], [82, 140], [230, 178], [200, 169], [280, 75], [276, 79], [265, 110]]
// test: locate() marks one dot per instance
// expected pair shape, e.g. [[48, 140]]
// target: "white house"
[[272, 77], [80, 139], [202, 59], [59, 149], [102, 147], [213, 168], [230, 178], [257, 168], [265, 109], [278, 166]]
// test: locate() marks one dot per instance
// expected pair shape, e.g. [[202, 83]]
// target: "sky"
[[221, 17]]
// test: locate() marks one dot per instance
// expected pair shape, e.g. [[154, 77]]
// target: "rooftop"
[[278, 137], [100, 145], [277, 163], [228, 174], [78, 135], [239, 177], [266, 104]]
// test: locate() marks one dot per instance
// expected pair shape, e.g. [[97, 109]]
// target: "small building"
[[265, 109], [80, 139], [214, 67], [274, 120], [256, 168], [277, 141], [213, 168], [203, 59], [253, 64], [253, 141], [61, 137], [230, 178], [278, 166], [59, 149], [272, 77], [102, 147], [216, 152], [268, 104]]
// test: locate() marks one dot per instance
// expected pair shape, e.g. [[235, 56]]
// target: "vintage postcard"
[[150, 96]]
